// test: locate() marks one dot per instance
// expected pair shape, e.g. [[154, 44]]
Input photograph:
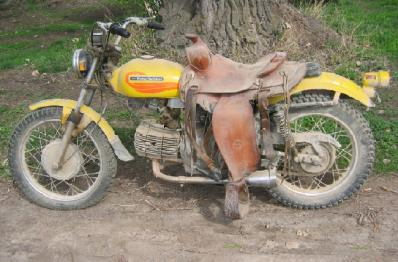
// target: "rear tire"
[[355, 176], [28, 181]]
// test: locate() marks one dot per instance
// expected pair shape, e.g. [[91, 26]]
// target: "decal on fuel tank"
[[148, 84], [147, 78]]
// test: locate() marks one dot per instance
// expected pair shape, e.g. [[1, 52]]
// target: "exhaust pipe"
[[262, 178], [259, 178]]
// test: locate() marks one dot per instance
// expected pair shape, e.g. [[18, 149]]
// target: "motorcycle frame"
[[78, 114]]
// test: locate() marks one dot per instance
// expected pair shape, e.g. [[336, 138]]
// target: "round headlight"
[[81, 62]]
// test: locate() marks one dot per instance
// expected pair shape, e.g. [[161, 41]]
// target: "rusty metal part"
[[311, 163], [318, 155], [157, 142]]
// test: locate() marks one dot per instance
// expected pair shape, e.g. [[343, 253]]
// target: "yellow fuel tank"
[[147, 77]]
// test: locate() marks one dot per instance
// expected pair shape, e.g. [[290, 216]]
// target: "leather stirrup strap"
[[266, 139], [190, 127]]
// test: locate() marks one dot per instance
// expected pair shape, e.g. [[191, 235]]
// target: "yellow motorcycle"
[[63, 155]]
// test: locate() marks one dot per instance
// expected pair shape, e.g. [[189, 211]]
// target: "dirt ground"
[[142, 219]]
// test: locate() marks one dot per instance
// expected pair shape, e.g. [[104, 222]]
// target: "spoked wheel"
[[342, 171], [89, 162]]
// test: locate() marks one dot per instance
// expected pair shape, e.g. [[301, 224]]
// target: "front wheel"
[[308, 187], [84, 177]]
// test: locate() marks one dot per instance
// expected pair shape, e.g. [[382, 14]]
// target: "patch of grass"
[[54, 56], [9, 116], [232, 245], [126, 135], [374, 24], [386, 134]]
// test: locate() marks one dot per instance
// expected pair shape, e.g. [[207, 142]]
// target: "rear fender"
[[89, 115], [331, 82]]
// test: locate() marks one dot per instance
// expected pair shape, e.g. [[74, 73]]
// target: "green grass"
[[374, 24], [386, 134], [47, 48], [9, 117], [54, 56]]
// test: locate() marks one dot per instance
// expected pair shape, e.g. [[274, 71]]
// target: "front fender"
[[331, 82], [89, 115]]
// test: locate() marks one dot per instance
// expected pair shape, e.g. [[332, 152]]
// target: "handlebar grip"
[[116, 29], [154, 25]]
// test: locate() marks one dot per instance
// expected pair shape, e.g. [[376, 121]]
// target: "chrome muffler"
[[262, 178]]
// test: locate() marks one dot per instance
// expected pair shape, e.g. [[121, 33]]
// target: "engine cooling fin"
[[155, 141]]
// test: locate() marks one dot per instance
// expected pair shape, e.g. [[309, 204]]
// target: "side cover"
[[147, 77]]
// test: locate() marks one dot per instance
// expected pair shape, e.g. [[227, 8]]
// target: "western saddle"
[[225, 88]]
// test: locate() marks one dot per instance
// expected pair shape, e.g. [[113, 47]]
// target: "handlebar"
[[155, 25], [120, 30], [116, 29]]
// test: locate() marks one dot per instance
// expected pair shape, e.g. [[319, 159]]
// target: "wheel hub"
[[325, 159], [68, 168]]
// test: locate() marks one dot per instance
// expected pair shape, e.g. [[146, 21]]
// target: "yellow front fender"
[[331, 82], [89, 115]]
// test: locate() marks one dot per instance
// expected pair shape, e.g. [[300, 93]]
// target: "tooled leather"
[[215, 74]]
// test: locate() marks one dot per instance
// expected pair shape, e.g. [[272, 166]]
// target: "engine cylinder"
[[155, 141]]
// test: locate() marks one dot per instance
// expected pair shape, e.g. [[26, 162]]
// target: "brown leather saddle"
[[225, 88], [215, 74]]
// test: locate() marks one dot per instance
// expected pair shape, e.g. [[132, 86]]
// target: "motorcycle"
[[312, 148]]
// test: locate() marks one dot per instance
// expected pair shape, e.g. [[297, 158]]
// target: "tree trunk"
[[240, 29]]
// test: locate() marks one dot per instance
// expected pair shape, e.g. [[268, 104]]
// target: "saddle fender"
[[331, 82], [89, 115]]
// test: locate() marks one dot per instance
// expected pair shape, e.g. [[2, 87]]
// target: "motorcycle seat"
[[217, 74]]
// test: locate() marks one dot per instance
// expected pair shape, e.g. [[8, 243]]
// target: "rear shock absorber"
[[281, 119]]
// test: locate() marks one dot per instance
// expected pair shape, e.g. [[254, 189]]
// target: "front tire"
[[358, 143], [85, 187]]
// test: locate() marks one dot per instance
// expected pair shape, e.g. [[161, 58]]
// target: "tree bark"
[[240, 29]]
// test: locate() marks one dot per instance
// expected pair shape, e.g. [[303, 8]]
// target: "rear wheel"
[[82, 180], [327, 185]]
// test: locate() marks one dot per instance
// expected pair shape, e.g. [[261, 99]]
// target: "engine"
[[155, 141]]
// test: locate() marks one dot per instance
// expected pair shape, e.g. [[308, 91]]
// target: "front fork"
[[74, 117]]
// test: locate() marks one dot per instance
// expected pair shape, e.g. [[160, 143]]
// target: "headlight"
[[81, 62]]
